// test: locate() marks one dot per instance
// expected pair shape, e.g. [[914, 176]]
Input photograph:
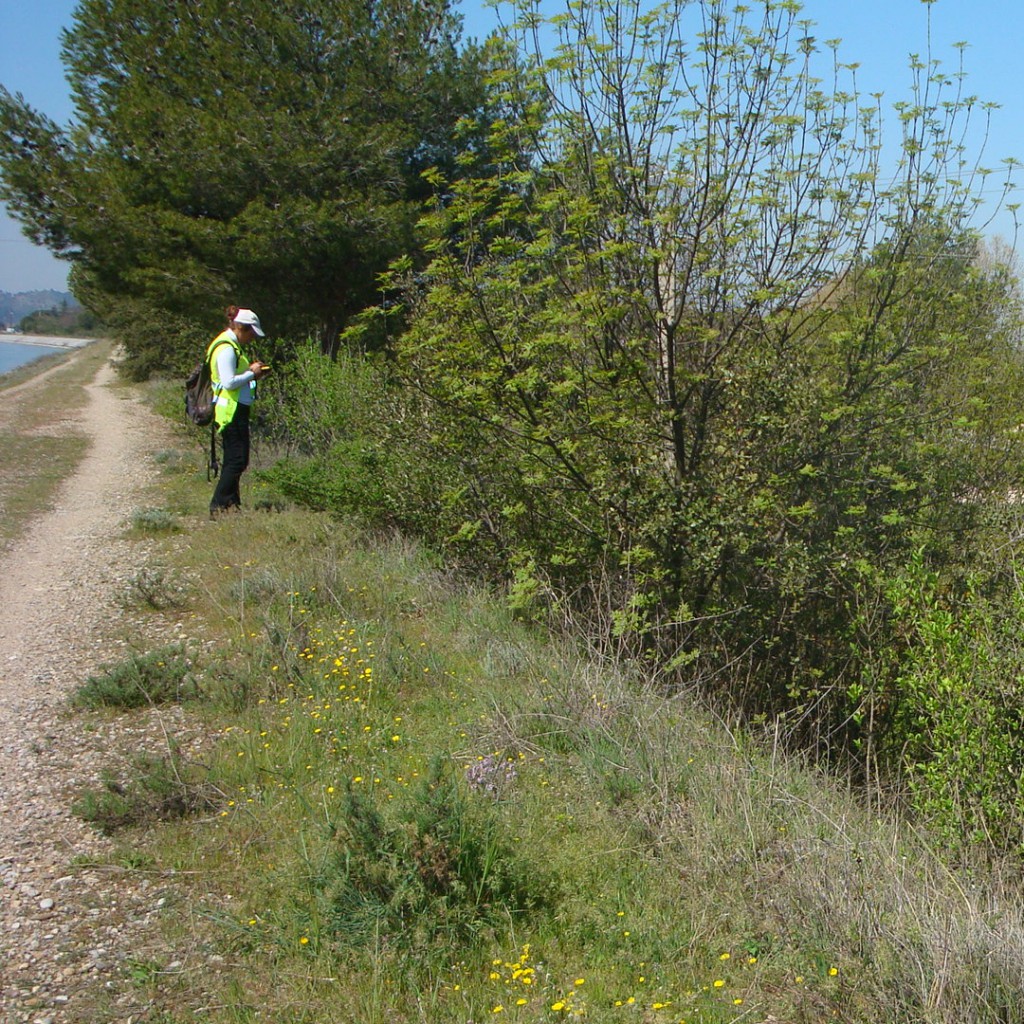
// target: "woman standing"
[[234, 393]]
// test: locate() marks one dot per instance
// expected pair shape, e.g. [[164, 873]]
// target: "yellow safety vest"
[[226, 400]]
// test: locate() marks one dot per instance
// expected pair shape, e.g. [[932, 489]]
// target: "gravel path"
[[68, 921]]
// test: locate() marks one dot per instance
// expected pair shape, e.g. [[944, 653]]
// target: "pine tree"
[[268, 154]]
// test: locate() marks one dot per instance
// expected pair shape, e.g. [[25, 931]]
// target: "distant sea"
[[13, 355]]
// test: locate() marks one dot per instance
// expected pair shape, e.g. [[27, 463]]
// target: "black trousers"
[[235, 438]]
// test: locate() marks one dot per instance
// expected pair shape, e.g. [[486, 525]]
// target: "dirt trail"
[[65, 926]]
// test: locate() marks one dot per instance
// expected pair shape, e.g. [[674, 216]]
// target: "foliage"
[[69, 323], [352, 444], [699, 871], [160, 676], [271, 159], [957, 709], [696, 372], [156, 789], [440, 877], [894, 430]]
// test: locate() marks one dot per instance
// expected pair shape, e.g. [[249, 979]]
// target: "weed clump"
[[156, 588], [157, 789], [444, 874], [172, 460], [163, 676], [153, 520], [258, 585]]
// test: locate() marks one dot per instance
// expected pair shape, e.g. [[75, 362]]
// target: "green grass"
[[413, 807]]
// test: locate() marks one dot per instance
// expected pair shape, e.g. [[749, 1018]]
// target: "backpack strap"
[[212, 466]]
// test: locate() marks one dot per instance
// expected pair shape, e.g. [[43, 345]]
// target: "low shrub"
[[349, 477], [155, 789], [163, 676], [442, 874], [153, 520], [173, 460], [256, 585], [155, 587]]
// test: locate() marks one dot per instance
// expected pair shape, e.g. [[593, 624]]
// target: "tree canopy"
[[714, 365], [266, 153]]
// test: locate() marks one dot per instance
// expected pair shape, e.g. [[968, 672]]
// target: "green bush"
[[957, 710], [354, 443], [443, 873], [348, 478], [162, 676]]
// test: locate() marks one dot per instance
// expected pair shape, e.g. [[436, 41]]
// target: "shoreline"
[[46, 341]]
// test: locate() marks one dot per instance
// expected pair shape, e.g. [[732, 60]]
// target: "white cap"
[[248, 318]]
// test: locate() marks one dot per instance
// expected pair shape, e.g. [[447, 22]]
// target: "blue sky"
[[877, 34]]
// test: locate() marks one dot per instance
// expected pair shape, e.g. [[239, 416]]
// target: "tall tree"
[[263, 152], [715, 341]]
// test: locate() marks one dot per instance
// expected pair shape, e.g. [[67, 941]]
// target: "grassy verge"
[[38, 448], [415, 808]]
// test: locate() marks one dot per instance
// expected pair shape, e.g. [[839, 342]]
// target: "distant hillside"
[[17, 305]]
